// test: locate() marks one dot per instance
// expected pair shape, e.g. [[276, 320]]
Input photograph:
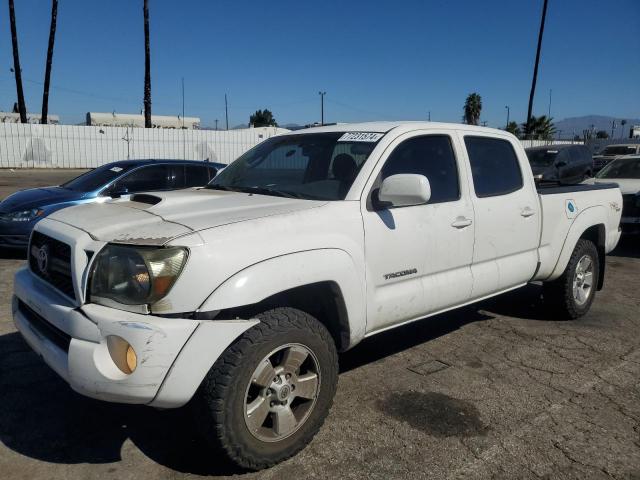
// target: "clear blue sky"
[[376, 60]]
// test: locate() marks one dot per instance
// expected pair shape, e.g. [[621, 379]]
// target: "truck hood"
[[159, 217], [627, 185]]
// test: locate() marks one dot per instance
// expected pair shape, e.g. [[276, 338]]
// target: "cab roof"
[[384, 127]]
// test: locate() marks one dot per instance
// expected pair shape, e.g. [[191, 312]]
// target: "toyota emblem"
[[43, 259]]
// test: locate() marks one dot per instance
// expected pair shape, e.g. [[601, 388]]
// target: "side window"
[[144, 179], [431, 156], [196, 176], [494, 165], [176, 177]]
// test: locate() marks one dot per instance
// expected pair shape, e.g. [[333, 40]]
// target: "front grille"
[[631, 205], [50, 259], [44, 328]]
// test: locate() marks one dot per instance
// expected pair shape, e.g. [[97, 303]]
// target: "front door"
[[419, 257]]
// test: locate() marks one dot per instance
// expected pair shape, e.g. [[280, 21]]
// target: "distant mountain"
[[576, 125]]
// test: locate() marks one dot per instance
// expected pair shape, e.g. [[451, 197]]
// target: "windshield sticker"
[[116, 169], [361, 137]]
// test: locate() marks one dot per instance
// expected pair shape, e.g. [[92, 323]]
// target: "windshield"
[[542, 158], [96, 178], [319, 166], [621, 168], [618, 150]]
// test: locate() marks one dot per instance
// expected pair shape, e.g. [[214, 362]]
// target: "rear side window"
[[494, 165], [431, 156], [148, 178], [197, 176]]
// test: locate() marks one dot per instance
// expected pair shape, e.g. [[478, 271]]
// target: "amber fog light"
[[122, 354], [132, 359]]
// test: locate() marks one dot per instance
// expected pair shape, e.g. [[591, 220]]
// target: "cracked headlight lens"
[[135, 275]]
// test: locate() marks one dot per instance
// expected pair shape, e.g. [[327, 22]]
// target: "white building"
[[99, 119], [10, 117]]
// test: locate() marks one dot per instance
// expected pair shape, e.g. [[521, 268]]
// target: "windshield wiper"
[[259, 190]]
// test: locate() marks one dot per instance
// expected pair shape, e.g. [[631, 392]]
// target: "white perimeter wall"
[[69, 146]]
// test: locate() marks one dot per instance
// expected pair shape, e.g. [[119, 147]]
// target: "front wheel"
[[270, 391], [573, 292]]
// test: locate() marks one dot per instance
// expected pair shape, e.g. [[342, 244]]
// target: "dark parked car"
[[20, 211], [611, 152], [566, 164]]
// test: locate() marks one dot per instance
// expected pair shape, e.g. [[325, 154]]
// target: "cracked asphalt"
[[500, 389]]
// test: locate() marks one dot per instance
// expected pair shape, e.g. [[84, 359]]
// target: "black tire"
[[559, 293], [219, 405]]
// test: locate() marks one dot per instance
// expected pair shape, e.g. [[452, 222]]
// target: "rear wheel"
[[269, 393], [573, 292]]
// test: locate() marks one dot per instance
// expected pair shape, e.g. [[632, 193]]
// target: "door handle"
[[461, 222], [527, 212]]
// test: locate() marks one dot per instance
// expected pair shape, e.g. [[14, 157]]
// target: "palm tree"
[[472, 109], [147, 67], [512, 127], [622, 123], [47, 71], [539, 128], [22, 108]]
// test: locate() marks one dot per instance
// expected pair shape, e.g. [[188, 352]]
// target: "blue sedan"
[[20, 211]]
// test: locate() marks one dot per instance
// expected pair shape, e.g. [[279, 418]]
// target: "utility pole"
[[508, 113], [535, 69], [322, 94], [549, 112], [183, 103], [613, 127], [183, 133], [216, 124], [226, 111], [429, 115]]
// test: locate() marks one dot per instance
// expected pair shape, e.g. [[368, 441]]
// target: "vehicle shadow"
[[42, 418], [402, 338], [13, 253], [629, 246]]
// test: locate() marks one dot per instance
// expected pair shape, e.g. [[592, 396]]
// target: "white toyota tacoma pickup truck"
[[235, 298]]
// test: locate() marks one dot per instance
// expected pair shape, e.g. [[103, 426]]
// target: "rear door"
[[419, 257], [505, 201]]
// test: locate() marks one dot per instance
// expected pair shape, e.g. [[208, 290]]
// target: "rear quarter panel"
[[562, 227]]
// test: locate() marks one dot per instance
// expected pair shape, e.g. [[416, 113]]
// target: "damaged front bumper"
[[173, 355]]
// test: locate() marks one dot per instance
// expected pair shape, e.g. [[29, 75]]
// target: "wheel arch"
[[323, 283], [589, 225]]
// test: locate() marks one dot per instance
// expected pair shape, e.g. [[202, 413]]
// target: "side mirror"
[[404, 190]]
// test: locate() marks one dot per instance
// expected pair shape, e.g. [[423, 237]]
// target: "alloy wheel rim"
[[282, 392], [583, 280]]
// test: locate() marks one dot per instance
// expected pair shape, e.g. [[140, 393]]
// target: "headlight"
[[135, 275], [23, 216]]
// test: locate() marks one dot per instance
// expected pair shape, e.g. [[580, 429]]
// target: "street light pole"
[[322, 94], [226, 111], [508, 112]]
